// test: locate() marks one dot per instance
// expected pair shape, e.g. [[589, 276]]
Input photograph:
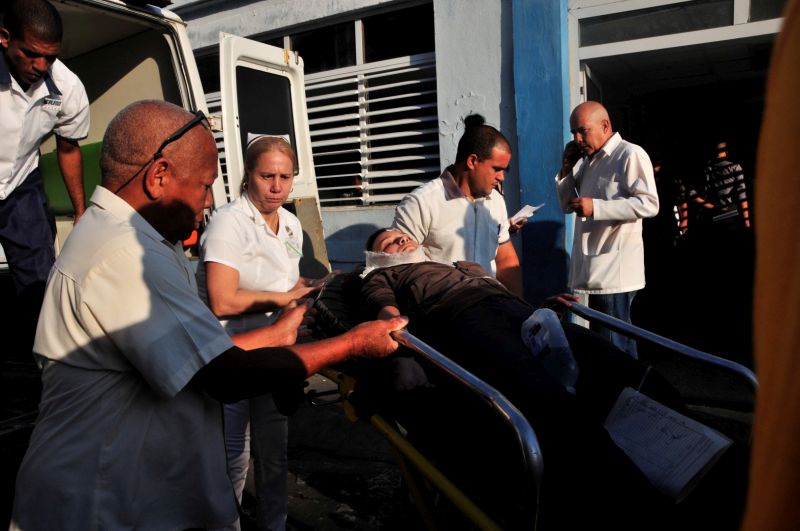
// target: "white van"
[[126, 51]]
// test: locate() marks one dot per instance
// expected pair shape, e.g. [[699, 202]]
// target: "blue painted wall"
[[541, 83]]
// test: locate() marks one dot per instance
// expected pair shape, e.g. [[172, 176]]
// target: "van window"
[[265, 104]]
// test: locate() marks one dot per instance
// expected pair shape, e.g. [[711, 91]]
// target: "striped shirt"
[[725, 186]]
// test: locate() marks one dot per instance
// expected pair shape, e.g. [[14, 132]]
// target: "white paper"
[[672, 450], [525, 212]]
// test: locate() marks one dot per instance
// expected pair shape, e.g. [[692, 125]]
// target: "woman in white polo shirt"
[[249, 268]]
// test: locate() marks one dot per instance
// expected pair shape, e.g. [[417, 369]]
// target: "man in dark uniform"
[[39, 95]]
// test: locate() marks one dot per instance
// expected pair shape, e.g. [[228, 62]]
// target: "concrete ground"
[[342, 474]]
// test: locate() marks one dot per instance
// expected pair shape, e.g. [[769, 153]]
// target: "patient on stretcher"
[[460, 310], [465, 313]]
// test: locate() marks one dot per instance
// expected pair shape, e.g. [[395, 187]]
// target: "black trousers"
[[26, 234], [587, 479]]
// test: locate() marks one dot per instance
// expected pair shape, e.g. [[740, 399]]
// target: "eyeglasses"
[[198, 117]]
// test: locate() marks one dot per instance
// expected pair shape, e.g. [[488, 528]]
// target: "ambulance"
[[129, 51]]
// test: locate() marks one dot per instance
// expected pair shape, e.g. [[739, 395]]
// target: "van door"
[[262, 92]]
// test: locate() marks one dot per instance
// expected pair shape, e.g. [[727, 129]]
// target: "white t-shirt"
[[237, 236], [451, 226], [59, 106], [121, 441]]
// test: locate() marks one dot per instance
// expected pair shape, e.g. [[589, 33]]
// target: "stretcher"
[[441, 475]]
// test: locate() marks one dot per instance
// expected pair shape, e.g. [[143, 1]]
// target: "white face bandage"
[[377, 260]]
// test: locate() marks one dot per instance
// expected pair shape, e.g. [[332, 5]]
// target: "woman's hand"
[[309, 286]]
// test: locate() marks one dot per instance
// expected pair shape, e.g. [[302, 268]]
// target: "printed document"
[[672, 450]]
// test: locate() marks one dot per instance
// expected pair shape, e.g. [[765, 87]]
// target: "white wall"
[[474, 74], [473, 65]]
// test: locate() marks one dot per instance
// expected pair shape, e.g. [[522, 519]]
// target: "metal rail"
[[410, 459], [625, 328], [526, 437]]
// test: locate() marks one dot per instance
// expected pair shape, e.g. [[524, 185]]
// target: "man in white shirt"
[[38, 96], [134, 364], [610, 192], [462, 215]]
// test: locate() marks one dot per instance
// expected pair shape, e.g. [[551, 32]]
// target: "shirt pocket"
[[39, 121], [608, 188], [600, 237], [293, 248], [48, 116], [602, 270]]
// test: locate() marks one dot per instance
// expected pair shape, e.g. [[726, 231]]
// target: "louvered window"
[[214, 102], [374, 126], [374, 130]]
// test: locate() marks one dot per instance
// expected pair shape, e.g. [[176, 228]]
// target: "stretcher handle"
[[526, 437], [629, 330]]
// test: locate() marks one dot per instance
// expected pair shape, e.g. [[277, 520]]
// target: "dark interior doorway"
[[677, 104]]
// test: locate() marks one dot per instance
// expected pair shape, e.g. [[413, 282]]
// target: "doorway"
[[678, 103]]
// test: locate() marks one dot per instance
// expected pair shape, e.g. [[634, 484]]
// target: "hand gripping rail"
[[617, 325], [413, 463]]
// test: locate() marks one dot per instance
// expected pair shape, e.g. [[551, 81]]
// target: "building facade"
[[388, 83]]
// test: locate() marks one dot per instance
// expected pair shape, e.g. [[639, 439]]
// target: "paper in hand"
[[525, 212]]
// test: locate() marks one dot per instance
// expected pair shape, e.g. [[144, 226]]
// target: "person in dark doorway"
[[462, 215], [134, 364], [39, 95], [610, 192], [724, 193]]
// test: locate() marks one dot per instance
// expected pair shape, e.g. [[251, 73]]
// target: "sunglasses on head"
[[196, 119]]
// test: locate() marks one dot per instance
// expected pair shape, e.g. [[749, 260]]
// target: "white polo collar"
[[119, 208], [451, 188]]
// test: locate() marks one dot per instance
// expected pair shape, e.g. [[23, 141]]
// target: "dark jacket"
[[429, 290]]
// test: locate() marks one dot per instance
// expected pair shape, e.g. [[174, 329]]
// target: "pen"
[[294, 248]]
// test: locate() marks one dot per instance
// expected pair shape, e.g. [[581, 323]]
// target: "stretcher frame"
[[416, 467]]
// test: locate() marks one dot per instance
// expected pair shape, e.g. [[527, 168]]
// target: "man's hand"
[[70, 162], [373, 340], [292, 322], [516, 226], [389, 312], [281, 333], [559, 303], [582, 206], [572, 154]]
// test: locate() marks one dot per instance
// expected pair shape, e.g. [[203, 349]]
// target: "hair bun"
[[473, 120]]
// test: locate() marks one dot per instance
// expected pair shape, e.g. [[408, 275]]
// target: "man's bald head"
[[133, 137], [590, 126], [169, 190], [591, 109]]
